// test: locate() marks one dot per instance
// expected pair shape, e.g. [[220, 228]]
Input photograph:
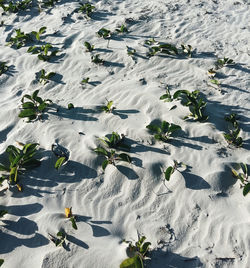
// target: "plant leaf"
[[104, 164], [246, 189], [101, 151], [169, 171], [60, 162], [73, 221], [135, 262], [124, 157], [27, 113]]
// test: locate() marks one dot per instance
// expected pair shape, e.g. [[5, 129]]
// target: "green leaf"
[[104, 164], [124, 157], [60, 162], [42, 30], [31, 163], [3, 168], [35, 94], [154, 128], [3, 212], [28, 104], [135, 262], [73, 221], [101, 151], [246, 189], [144, 248], [42, 106], [70, 106], [27, 113], [169, 171], [173, 128]]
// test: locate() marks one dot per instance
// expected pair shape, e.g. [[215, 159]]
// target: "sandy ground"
[[201, 219]]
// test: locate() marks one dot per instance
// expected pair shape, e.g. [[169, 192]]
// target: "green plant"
[[86, 8], [150, 42], [233, 136], [136, 253], [71, 106], [167, 96], [211, 73], [187, 49], [19, 161], [122, 29], [220, 63], [96, 59], [194, 102], [115, 141], [241, 173], [61, 153], [37, 34], [104, 33], [164, 48], [89, 47], [3, 67], [85, 80], [68, 214], [111, 156], [48, 3], [131, 51], [14, 7], [108, 108], [171, 169], [35, 107], [44, 78], [164, 131], [59, 239], [45, 52]]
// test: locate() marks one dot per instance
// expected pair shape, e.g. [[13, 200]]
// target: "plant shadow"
[[123, 113], [128, 172]]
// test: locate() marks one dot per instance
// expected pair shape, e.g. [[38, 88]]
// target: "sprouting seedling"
[[150, 41], [108, 108], [165, 48], [85, 80], [59, 239], [215, 82], [44, 78], [136, 253], [187, 49], [233, 136], [115, 141], [68, 214], [220, 63], [61, 153], [45, 52], [40, 31], [131, 51], [194, 102], [21, 39], [49, 3], [96, 59], [164, 131], [34, 107], [122, 29], [104, 33], [19, 161], [14, 7], [87, 9], [89, 47], [3, 67], [167, 96], [71, 106], [111, 156], [241, 173], [171, 169]]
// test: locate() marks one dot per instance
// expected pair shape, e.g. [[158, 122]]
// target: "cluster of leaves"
[[164, 131], [14, 7], [19, 161], [3, 67], [44, 78], [108, 108], [171, 169], [34, 107], [48, 3], [97, 60], [45, 52], [242, 175], [59, 239], [131, 51], [121, 29], [61, 153], [233, 136], [187, 49], [111, 156], [69, 214], [21, 38], [87, 9], [89, 47], [136, 253], [85, 81], [104, 33]]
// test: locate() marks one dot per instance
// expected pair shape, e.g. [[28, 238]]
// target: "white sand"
[[203, 220]]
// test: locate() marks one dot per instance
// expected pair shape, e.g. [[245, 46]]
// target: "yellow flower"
[[68, 212]]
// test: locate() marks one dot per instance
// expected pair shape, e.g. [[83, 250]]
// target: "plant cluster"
[[97, 60], [59, 239], [48, 3], [171, 169], [61, 153], [115, 141], [45, 77], [87, 9], [34, 107], [232, 137], [68, 214], [14, 7], [108, 108], [136, 253], [89, 47], [45, 52], [241, 173], [19, 161], [3, 68], [164, 131]]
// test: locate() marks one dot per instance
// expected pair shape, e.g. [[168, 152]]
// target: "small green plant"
[[150, 42], [220, 63], [37, 34], [96, 59], [104, 33], [3, 68], [19, 161], [164, 131], [14, 7], [122, 29], [45, 52], [85, 81], [44, 78], [111, 156], [164, 48], [89, 47], [211, 73], [167, 96], [48, 3], [171, 169], [69, 214], [215, 82], [136, 253], [233, 136], [115, 141], [131, 51], [71, 106], [34, 107], [108, 108], [61, 153], [194, 102], [59, 239], [87, 9], [187, 49], [241, 173]]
